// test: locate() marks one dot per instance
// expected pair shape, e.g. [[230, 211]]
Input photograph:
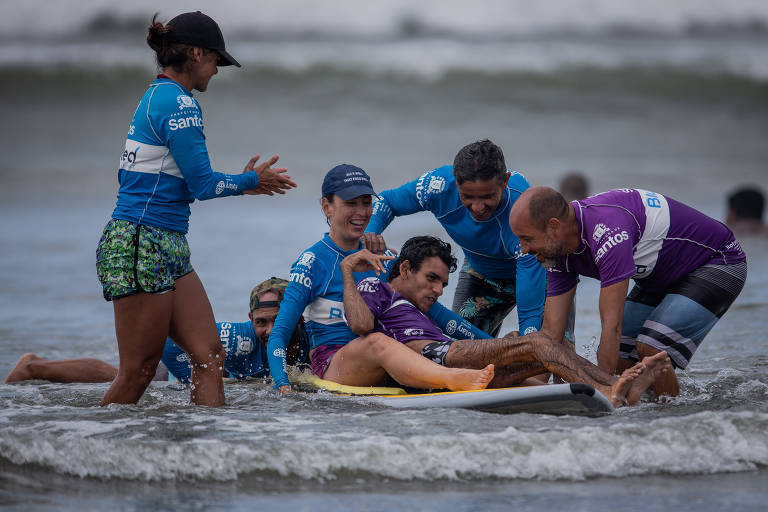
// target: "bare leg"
[[666, 383], [564, 362], [516, 374], [141, 324], [193, 328], [617, 394], [467, 355], [366, 361], [89, 369], [556, 357]]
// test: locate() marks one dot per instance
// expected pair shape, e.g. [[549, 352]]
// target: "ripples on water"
[[717, 427], [654, 104]]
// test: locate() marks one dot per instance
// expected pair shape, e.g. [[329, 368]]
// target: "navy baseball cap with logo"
[[197, 29], [347, 182]]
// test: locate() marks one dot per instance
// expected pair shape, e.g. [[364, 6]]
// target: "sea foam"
[[702, 443]]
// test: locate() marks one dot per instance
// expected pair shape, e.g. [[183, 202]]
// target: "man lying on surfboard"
[[416, 280], [244, 344]]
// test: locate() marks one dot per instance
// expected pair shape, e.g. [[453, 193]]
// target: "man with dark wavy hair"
[[416, 280]]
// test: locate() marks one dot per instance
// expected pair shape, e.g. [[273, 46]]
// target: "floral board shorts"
[[484, 302], [132, 258]]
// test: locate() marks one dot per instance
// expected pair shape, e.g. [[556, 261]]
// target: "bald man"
[[688, 269]]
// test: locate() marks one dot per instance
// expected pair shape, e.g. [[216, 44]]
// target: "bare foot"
[[655, 366], [620, 389], [21, 370], [466, 380]]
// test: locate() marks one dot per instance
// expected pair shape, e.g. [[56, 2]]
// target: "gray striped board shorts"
[[678, 319]]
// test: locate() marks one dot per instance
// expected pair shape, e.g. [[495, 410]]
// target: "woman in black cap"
[[143, 259]]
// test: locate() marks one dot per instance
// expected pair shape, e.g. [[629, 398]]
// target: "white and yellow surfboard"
[[579, 399]]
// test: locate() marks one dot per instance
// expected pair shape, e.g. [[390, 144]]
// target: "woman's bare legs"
[[141, 324], [143, 321], [366, 362], [193, 328]]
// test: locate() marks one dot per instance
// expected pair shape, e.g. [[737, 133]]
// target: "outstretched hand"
[[271, 180], [364, 260]]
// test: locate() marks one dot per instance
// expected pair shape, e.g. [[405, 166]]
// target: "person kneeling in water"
[[416, 280], [244, 343]]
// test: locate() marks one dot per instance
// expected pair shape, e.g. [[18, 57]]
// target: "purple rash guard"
[[643, 235], [395, 316]]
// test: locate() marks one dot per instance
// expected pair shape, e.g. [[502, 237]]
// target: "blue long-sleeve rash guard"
[[245, 355], [165, 164], [316, 290], [490, 246]]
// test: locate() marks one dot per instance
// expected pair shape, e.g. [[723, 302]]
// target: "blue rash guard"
[[165, 164], [489, 246], [245, 353], [316, 290]]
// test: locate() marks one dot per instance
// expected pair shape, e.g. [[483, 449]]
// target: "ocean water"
[[669, 97]]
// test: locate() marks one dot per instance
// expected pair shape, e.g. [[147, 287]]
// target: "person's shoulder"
[[445, 171], [244, 328], [309, 256], [517, 182], [309, 265], [442, 178], [169, 97], [229, 329], [371, 285], [307, 260], [434, 188], [617, 196]]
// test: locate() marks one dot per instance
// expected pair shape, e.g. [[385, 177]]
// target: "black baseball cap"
[[197, 29], [347, 182]]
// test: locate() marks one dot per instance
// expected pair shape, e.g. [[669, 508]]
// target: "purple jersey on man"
[[395, 316], [643, 235]]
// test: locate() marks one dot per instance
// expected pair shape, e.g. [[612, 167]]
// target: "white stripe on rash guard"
[[148, 158], [324, 311], [398, 303], [656, 228]]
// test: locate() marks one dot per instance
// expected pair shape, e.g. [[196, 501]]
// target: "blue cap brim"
[[354, 191]]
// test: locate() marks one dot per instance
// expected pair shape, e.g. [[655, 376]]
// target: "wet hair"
[[546, 204], [747, 203], [480, 161], [415, 250], [167, 53]]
